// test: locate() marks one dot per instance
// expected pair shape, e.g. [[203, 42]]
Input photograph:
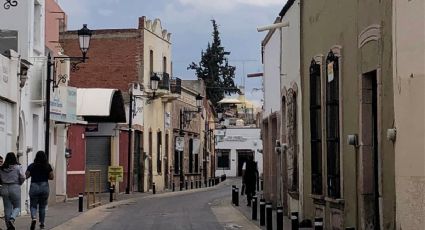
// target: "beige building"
[[409, 105]]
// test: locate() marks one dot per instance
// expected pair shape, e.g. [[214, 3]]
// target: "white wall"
[[271, 77], [251, 141], [23, 19], [291, 78], [409, 106]]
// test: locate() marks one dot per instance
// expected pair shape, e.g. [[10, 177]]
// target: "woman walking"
[[12, 178], [40, 172]]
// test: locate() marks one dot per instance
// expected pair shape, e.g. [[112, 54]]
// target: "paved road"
[[205, 209]]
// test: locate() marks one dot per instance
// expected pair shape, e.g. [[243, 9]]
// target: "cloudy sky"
[[190, 25]]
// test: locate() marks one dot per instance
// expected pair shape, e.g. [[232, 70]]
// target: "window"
[[223, 159], [292, 140], [150, 62], [164, 64], [332, 125], [191, 155], [159, 152], [316, 127], [176, 159]]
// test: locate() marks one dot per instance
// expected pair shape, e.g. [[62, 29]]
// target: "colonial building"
[[349, 163], [188, 162], [408, 130], [27, 39], [127, 59]]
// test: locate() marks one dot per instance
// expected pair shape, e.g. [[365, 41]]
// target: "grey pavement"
[[204, 208]]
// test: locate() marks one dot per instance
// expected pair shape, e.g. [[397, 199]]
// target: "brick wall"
[[114, 59]]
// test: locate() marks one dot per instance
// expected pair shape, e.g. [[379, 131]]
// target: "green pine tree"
[[215, 70]]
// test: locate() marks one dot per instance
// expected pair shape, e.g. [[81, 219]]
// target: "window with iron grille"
[[292, 140], [332, 126], [316, 127], [191, 155], [176, 159]]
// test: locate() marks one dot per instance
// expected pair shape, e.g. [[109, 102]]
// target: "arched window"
[[292, 140], [316, 127], [332, 125]]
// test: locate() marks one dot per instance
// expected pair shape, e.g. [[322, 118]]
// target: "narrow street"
[[205, 208]]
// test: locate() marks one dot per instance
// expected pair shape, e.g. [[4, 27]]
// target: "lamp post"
[[84, 36], [154, 80], [181, 132]]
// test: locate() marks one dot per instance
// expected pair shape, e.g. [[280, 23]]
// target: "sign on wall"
[[180, 144], [63, 105], [115, 173]]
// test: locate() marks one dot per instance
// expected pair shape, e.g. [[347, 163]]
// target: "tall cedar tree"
[[215, 70]]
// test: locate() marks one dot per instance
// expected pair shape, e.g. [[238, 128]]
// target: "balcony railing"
[[176, 86], [173, 85]]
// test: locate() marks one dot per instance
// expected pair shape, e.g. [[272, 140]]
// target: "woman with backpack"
[[40, 172], [12, 177]]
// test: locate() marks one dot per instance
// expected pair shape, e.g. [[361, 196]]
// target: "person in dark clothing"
[[40, 172], [250, 179]]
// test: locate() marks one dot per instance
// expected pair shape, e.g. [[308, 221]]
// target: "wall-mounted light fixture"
[[352, 139], [23, 73]]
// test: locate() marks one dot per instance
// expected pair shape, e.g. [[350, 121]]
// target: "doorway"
[[370, 152], [243, 156]]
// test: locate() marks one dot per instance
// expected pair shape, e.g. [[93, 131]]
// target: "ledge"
[[294, 194], [335, 203], [318, 199]]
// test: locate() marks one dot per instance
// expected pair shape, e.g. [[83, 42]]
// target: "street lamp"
[[154, 86], [84, 35], [183, 122]]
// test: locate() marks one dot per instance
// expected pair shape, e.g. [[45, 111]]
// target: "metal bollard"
[[80, 202], [279, 218], [181, 185], [254, 208], [153, 188], [236, 196], [233, 194], [111, 193], [318, 223], [262, 212], [174, 187], [187, 184], [191, 184], [269, 216], [294, 220]]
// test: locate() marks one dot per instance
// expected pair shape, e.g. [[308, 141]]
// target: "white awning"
[[94, 102], [100, 105]]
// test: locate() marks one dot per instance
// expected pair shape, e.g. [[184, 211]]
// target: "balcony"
[[168, 88]]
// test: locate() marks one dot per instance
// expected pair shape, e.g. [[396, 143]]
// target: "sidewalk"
[[247, 211], [62, 212]]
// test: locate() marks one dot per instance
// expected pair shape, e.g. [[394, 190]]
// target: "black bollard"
[[318, 223], [153, 188], [258, 184], [187, 185], [294, 220], [236, 196], [181, 185], [254, 208], [191, 184], [233, 194], [269, 216], [80, 202], [262, 212], [279, 218], [174, 187], [111, 193]]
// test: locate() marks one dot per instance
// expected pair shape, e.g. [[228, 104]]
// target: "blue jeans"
[[11, 194], [39, 194]]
